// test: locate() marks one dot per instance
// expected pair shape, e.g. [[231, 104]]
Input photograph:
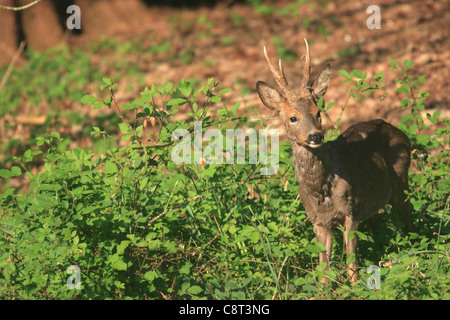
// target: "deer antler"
[[280, 78], [307, 71]]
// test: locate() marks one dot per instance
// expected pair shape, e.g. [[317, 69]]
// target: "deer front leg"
[[325, 236], [351, 225]]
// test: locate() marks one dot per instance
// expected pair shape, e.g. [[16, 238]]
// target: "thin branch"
[[171, 209], [218, 234], [11, 65], [20, 8], [329, 119]]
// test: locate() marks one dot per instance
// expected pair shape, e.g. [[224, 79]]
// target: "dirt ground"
[[226, 42], [414, 30]]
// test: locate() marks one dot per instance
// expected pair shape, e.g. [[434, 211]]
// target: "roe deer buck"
[[345, 181]]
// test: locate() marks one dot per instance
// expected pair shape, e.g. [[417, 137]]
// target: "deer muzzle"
[[315, 139]]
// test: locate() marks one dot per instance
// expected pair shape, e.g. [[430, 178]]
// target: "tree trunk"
[[132, 12], [9, 38], [99, 17], [41, 26]]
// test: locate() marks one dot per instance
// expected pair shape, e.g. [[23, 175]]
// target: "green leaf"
[[351, 258], [110, 168], [119, 285], [331, 274], [49, 187], [122, 246], [436, 116], [361, 236], [150, 275], [351, 235], [185, 286], [132, 105], [88, 100], [408, 64], [343, 73], [44, 201], [143, 183], [176, 102], [108, 83], [126, 137], [194, 290], [119, 265], [124, 128], [316, 248], [320, 103], [185, 88], [14, 172], [321, 267], [329, 106], [215, 99], [98, 105], [225, 91], [40, 141], [56, 135], [357, 74], [107, 101], [379, 77], [147, 95], [186, 268]]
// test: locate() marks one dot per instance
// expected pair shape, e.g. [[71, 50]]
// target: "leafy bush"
[[54, 75], [139, 226]]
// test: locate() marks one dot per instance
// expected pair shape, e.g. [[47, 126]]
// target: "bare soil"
[[413, 30], [225, 41]]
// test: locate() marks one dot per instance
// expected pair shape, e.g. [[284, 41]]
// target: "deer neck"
[[312, 168]]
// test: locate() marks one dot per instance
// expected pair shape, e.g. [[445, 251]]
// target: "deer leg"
[[399, 200], [402, 207], [325, 236], [373, 222], [404, 211], [351, 225]]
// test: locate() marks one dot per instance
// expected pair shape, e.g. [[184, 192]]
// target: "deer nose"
[[317, 137]]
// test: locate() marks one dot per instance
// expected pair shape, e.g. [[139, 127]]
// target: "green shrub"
[[139, 226], [57, 74]]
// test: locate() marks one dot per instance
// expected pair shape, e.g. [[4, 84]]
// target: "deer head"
[[297, 106]]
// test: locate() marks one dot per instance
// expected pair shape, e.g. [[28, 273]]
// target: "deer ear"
[[269, 95], [320, 84]]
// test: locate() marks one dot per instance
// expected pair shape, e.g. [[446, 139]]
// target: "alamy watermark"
[[374, 20], [214, 152], [74, 21], [374, 281], [74, 281]]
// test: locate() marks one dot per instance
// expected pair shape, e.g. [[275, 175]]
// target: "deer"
[[344, 181]]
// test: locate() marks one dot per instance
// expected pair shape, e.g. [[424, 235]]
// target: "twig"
[[11, 64], [279, 276], [218, 234], [329, 119], [20, 8], [171, 209]]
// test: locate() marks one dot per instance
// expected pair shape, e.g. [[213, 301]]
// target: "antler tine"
[[307, 71], [282, 72], [281, 79]]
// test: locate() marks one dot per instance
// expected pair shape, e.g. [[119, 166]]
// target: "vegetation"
[[139, 226]]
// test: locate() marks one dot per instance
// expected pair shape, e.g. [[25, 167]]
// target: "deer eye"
[[318, 114], [293, 119]]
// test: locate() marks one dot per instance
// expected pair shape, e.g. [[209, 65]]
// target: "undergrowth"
[[139, 226]]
